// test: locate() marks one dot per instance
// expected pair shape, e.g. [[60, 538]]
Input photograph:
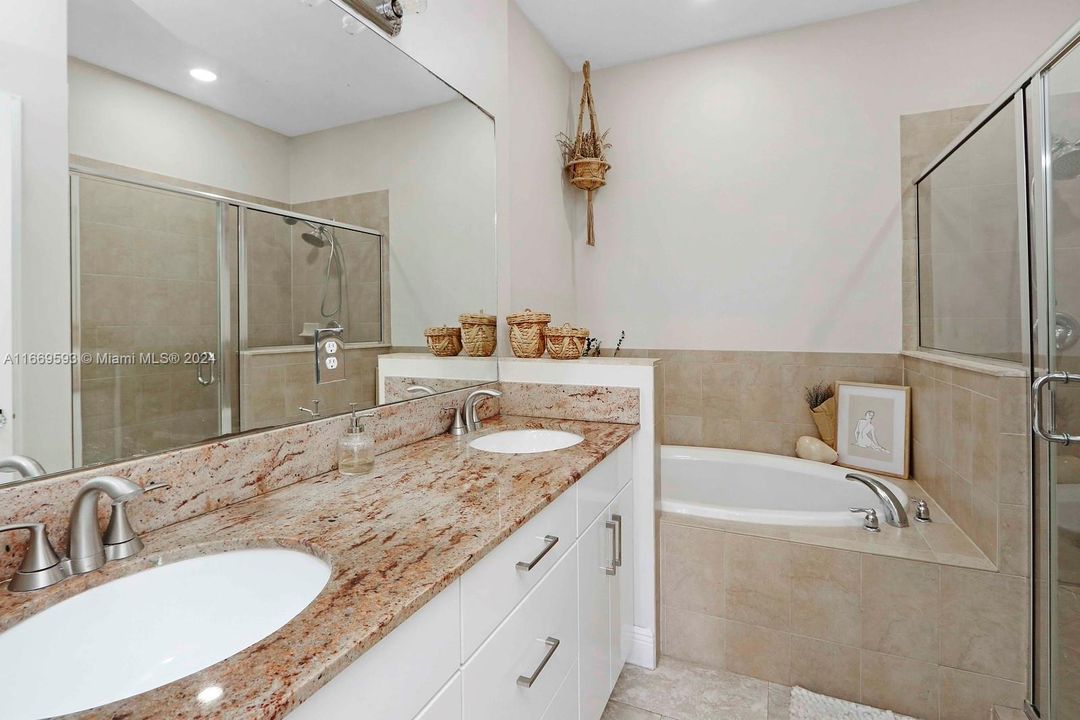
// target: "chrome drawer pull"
[[527, 681], [618, 540], [550, 541], [613, 526]]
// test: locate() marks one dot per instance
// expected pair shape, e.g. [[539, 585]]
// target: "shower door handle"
[[206, 359], [1051, 434]]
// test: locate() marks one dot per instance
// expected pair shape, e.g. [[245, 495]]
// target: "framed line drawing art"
[[873, 427]]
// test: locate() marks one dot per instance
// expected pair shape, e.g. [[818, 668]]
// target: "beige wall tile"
[[984, 622], [825, 667], [692, 569], [758, 652], [900, 684], [1014, 480], [682, 430], [969, 696], [1014, 546], [825, 594], [757, 581], [693, 637], [900, 607]]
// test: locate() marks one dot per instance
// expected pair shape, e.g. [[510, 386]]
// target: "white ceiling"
[[612, 32], [283, 64]]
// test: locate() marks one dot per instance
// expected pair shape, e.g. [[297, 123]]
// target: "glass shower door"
[[1056, 556], [150, 293]]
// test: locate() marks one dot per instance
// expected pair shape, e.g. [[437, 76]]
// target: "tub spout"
[[895, 514]]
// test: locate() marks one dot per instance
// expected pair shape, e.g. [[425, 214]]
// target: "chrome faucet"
[[87, 549], [420, 389], [895, 514], [472, 420], [313, 413], [26, 466]]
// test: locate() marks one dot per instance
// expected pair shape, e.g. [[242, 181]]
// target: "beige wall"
[[118, 120], [924, 639], [753, 204], [542, 203], [33, 66], [753, 400]]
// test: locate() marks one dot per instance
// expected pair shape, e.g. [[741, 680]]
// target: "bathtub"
[[760, 488]]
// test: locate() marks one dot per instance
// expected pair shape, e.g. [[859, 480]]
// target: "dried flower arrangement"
[[822, 401], [584, 154], [817, 394], [592, 346]]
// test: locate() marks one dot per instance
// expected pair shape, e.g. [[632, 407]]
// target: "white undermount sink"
[[522, 442], [143, 631]]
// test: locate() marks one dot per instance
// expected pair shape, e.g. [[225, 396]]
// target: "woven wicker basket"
[[443, 341], [527, 333], [566, 342], [478, 334]]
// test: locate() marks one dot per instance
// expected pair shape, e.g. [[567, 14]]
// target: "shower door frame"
[[229, 346]]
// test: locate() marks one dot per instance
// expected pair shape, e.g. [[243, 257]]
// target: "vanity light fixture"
[[203, 75], [387, 14]]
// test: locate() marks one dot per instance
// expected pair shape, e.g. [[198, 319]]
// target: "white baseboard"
[[643, 648]]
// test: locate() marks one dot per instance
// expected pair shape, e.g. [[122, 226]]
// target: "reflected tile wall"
[[147, 284]]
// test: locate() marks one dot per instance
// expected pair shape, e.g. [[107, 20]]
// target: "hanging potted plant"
[[583, 154]]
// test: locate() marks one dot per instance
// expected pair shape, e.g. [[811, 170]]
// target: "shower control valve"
[[870, 521]]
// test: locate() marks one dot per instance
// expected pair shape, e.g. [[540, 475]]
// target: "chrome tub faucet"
[[895, 514]]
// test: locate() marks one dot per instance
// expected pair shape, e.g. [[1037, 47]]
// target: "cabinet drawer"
[[517, 649], [596, 491], [565, 704], [496, 584], [401, 673], [446, 705]]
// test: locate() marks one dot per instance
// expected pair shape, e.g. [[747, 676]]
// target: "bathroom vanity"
[[539, 627], [462, 584]]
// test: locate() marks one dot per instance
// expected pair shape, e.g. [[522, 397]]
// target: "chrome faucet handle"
[[457, 427], [40, 565], [120, 539], [870, 521], [922, 510]]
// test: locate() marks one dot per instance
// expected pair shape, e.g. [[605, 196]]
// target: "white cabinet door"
[[595, 555], [622, 584], [518, 670]]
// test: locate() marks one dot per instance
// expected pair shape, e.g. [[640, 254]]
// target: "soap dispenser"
[[356, 450]]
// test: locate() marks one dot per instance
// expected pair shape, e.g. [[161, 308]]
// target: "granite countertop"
[[394, 539]]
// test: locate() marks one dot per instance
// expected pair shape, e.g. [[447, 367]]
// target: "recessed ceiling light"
[[203, 75]]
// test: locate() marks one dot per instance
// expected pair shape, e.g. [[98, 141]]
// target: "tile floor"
[[680, 691]]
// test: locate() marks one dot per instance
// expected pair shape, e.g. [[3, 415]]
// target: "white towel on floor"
[[806, 705]]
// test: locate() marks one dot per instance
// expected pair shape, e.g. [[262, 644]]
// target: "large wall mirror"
[[243, 177]]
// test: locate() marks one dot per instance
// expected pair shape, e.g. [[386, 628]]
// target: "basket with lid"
[[478, 334], [527, 333], [565, 342], [443, 341]]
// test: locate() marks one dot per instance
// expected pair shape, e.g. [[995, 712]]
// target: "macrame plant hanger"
[[588, 173]]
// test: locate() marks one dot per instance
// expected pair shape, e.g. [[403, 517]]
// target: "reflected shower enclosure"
[[182, 299]]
